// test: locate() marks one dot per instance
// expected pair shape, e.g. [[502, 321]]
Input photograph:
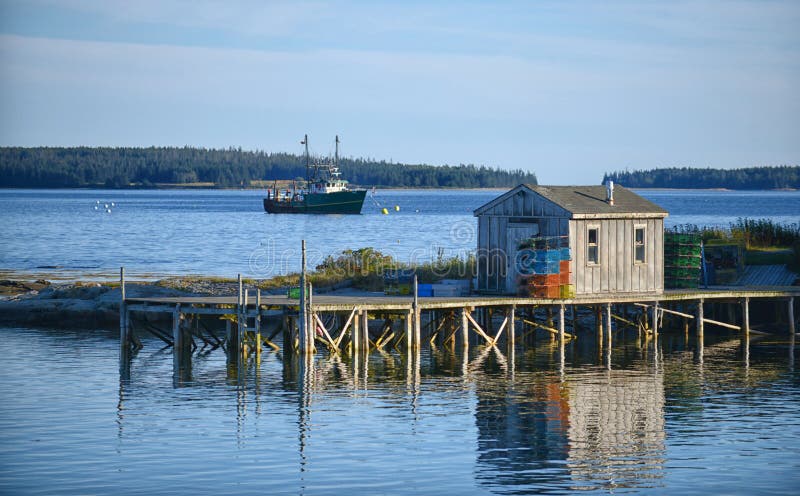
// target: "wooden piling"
[[512, 325], [417, 324], [464, 328], [303, 320], [700, 320], [746, 315], [655, 319], [791, 316], [365, 330], [561, 325], [608, 325], [258, 322], [177, 340], [124, 323]]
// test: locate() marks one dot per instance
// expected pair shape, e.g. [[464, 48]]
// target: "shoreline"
[[95, 304]]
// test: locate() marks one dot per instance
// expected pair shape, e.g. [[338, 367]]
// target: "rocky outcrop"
[[73, 305]]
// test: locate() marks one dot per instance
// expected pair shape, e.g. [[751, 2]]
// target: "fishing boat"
[[324, 191]]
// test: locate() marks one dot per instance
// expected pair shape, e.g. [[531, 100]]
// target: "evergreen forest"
[[81, 167], [783, 177]]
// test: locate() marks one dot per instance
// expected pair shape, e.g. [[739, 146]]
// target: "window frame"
[[596, 245], [643, 244]]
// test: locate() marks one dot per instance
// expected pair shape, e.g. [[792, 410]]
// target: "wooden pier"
[[362, 324]]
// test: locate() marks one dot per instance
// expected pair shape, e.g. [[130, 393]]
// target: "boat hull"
[[341, 202]]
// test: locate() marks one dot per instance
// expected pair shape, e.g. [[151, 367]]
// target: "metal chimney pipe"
[[610, 192]]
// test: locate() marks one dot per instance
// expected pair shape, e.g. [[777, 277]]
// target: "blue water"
[[664, 419], [644, 419], [58, 233]]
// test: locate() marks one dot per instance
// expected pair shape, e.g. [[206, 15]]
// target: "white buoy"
[[105, 205], [97, 202], [108, 210], [112, 204]]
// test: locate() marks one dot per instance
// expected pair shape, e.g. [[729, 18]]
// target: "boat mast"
[[305, 142], [336, 160]]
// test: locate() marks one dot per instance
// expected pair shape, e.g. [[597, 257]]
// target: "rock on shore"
[[80, 305]]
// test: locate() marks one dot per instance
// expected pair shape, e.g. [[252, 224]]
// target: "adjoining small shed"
[[614, 236]]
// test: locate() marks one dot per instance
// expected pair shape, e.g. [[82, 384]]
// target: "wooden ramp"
[[767, 275]]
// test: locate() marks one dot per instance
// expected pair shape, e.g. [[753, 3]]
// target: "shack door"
[[516, 233]]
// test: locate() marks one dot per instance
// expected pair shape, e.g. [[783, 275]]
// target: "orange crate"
[[563, 266], [563, 278]]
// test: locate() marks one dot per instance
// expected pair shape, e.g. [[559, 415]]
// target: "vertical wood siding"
[[617, 271]]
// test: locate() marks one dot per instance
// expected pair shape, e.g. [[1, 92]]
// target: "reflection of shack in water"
[[607, 426], [616, 428]]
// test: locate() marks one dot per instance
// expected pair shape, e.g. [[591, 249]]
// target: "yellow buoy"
[[397, 208], [384, 211]]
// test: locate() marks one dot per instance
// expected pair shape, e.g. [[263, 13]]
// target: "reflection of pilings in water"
[[305, 391]]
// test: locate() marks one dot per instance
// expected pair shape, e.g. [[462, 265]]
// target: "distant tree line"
[[46, 167], [689, 178]]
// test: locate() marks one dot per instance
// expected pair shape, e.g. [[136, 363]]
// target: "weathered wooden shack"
[[615, 237]]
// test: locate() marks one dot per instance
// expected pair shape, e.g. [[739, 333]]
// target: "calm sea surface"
[[644, 419], [59, 233], [658, 418]]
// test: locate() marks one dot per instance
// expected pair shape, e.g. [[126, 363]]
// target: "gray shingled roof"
[[589, 201], [592, 200]]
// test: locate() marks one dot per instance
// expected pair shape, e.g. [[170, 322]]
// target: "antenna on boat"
[[336, 160], [305, 142]]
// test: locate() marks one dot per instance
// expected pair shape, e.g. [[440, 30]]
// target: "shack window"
[[639, 244], [592, 245]]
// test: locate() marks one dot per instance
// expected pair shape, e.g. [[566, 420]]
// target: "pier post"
[[417, 324], [561, 324], [746, 315], [258, 322], [608, 325], [179, 346], [302, 320], [464, 328], [700, 320], [355, 333], [124, 322], [512, 324], [409, 329], [655, 319], [365, 331], [791, 316]]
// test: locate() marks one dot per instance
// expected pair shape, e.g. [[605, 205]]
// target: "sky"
[[566, 89]]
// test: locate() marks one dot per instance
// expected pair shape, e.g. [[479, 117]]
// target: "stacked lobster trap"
[[543, 266]]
